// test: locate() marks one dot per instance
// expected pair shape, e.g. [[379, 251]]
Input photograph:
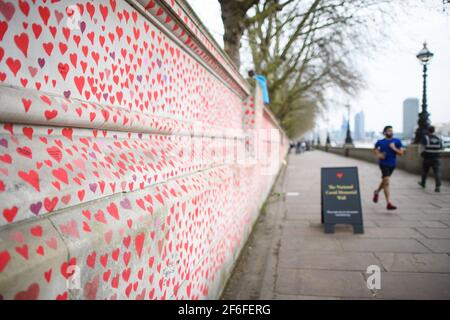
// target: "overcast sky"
[[394, 73]]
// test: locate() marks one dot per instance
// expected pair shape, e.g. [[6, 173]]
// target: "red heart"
[[61, 175], [48, 47], [36, 231], [50, 114], [23, 251], [26, 104], [4, 259], [40, 250], [63, 69], [67, 132], [115, 282], [44, 12], [48, 275], [21, 42], [90, 261], [10, 214], [31, 177], [126, 241], [70, 228], [3, 28], [126, 274], [66, 265], [90, 289], [28, 132], [339, 175], [104, 260], [14, 65], [100, 216], [25, 151], [32, 293], [113, 211], [138, 243], [55, 153], [115, 254], [126, 258], [62, 296], [79, 82], [50, 204], [37, 29]]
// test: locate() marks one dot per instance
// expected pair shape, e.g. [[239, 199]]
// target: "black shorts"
[[386, 171]]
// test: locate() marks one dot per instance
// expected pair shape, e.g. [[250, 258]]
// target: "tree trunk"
[[233, 17]]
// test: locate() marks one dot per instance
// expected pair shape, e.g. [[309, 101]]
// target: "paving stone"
[[403, 285], [420, 262], [399, 223], [295, 245], [353, 261], [437, 245], [391, 233], [383, 245], [434, 224], [435, 233], [321, 283]]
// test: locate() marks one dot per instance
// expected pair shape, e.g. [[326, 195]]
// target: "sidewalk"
[[288, 256]]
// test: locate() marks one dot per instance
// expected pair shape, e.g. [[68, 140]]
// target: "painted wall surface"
[[133, 156]]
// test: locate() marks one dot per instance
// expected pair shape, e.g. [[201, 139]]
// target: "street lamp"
[[423, 122]]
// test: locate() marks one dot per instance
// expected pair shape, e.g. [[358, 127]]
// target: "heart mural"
[[114, 133]]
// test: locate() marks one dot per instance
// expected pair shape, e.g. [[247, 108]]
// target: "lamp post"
[[348, 138], [423, 122]]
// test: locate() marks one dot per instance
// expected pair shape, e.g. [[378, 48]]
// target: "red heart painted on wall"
[[4, 260], [32, 293]]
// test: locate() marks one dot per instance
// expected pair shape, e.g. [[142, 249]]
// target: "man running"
[[387, 150]]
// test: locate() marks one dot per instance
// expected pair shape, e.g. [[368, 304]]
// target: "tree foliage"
[[304, 48]]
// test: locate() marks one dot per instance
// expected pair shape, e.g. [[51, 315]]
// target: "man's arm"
[[377, 152], [400, 150]]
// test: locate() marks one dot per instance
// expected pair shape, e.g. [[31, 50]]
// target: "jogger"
[[387, 150]]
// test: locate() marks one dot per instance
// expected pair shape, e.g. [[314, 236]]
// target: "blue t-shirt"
[[390, 157]]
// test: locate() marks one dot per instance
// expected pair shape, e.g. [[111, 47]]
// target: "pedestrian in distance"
[[432, 147], [387, 150], [297, 147], [291, 146]]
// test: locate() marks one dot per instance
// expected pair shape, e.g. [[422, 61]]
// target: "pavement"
[[288, 255]]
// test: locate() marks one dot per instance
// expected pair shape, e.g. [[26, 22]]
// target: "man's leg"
[[425, 169], [437, 174], [380, 187], [387, 194]]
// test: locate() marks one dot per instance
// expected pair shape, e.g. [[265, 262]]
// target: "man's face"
[[389, 133]]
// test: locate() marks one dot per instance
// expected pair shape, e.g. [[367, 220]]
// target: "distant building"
[[359, 126], [410, 117], [344, 126]]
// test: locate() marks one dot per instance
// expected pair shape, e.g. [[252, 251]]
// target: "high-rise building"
[[410, 117], [344, 126], [359, 126]]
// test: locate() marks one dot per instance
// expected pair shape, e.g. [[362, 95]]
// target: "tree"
[[304, 48], [235, 21]]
